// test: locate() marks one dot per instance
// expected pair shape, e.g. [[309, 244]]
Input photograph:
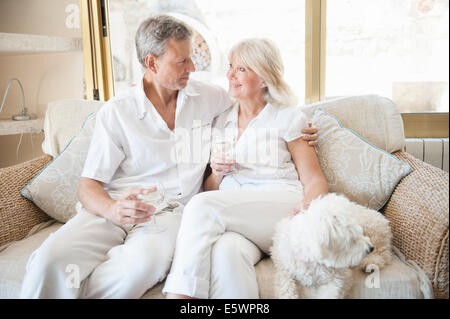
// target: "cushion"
[[352, 166], [63, 120], [17, 214], [398, 280], [375, 118], [14, 258], [54, 188]]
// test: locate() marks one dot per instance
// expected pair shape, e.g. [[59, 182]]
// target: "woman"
[[251, 195]]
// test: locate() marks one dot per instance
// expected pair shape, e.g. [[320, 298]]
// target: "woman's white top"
[[263, 160]]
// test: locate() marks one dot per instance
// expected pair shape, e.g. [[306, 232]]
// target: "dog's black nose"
[[370, 249]]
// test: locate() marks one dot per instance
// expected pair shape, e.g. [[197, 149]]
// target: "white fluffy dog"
[[314, 250]]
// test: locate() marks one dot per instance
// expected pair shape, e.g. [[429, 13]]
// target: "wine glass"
[[156, 199], [223, 147]]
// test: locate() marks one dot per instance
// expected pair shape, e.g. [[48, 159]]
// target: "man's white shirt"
[[132, 145]]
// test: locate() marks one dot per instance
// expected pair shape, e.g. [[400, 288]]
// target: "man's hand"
[[130, 210], [311, 136]]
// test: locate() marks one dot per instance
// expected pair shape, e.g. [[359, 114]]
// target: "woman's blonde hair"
[[264, 58]]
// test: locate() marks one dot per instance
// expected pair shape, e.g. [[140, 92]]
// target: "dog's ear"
[[325, 251], [335, 238], [324, 239]]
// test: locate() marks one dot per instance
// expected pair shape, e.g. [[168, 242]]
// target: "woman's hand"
[[298, 209], [221, 167]]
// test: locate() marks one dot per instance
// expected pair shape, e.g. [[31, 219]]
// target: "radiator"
[[433, 151]]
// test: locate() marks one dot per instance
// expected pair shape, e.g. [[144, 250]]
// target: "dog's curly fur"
[[314, 251]]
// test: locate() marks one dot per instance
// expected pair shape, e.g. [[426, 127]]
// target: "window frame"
[[100, 83], [97, 50]]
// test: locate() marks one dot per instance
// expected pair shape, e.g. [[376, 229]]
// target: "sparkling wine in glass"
[[156, 199], [223, 148]]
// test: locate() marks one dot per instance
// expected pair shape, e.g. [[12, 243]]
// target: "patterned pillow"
[[352, 166], [54, 188]]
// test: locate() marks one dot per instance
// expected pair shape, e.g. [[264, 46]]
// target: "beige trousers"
[[91, 257], [210, 216]]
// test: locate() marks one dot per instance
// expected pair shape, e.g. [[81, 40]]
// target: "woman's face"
[[244, 83]]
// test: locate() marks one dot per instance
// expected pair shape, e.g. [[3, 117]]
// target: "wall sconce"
[[24, 116]]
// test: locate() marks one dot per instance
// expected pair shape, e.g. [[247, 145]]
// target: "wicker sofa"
[[417, 209]]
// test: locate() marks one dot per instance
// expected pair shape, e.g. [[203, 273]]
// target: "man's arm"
[[126, 210], [104, 157], [311, 135]]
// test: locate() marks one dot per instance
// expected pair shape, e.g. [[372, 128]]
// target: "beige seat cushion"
[[14, 258], [398, 280]]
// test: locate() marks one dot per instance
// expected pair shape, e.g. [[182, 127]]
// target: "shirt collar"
[[142, 100], [232, 116], [269, 112], [144, 104]]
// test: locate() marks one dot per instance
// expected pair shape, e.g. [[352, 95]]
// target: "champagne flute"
[[156, 199], [223, 147]]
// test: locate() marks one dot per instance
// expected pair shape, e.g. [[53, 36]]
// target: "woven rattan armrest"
[[418, 214], [17, 214]]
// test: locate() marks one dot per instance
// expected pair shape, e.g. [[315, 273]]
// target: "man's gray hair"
[[153, 33]]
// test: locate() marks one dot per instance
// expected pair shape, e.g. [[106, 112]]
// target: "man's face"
[[174, 66]]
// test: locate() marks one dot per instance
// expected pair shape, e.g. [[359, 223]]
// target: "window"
[[217, 27], [397, 49]]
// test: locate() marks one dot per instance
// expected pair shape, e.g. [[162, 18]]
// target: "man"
[[135, 143]]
